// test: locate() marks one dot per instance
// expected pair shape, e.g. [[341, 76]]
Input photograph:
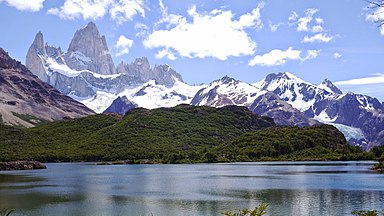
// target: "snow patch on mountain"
[[324, 118], [53, 66]]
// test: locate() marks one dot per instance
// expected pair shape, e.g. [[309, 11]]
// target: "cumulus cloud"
[[165, 53], [312, 25], [280, 57], [124, 10], [119, 10], [321, 37], [215, 34], [311, 54], [141, 29], [303, 22], [25, 5], [123, 45], [337, 55], [293, 17]]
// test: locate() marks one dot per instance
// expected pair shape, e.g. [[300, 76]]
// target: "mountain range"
[[87, 73]]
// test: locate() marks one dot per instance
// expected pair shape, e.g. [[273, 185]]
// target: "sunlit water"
[[291, 188]]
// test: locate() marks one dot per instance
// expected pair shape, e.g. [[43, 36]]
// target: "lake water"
[[291, 188]]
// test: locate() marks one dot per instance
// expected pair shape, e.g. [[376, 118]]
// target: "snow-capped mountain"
[[149, 95], [228, 91], [360, 117]]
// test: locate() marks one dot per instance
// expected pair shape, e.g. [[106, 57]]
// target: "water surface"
[[291, 188]]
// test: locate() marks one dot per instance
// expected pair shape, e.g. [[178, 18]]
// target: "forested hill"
[[181, 134]]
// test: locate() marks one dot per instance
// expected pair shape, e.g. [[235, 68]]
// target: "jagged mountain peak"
[[89, 31], [283, 77], [226, 79], [89, 51], [91, 27], [141, 61], [330, 87]]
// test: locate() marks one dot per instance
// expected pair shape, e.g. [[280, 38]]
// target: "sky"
[[206, 40]]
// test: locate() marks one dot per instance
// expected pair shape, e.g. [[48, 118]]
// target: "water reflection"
[[200, 189]]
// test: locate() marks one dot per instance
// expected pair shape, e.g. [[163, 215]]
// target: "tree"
[[378, 14]]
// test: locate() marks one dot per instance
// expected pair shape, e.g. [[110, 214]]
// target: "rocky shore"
[[21, 165]]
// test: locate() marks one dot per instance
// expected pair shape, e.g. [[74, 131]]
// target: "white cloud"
[[27, 5], [274, 27], [377, 16], [165, 53], [280, 57], [317, 29], [293, 17], [311, 54], [321, 37], [251, 19], [141, 29], [123, 45], [303, 22], [86, 9], [319, 20], [125, 10], [379, 78], [215, 34], [119, 10], [337, 55]]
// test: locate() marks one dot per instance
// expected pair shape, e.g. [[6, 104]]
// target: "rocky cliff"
[[26, 100], [89, 51]]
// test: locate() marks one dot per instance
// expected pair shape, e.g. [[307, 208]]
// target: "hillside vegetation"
[[182, 134]]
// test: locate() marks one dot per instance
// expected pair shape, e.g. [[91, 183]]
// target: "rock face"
[[34, 61], [282, 112], [24, 94], [21, 165], [120, 105], [89, 51], [228, 91]]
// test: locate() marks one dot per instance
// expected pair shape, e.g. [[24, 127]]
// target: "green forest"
[[182, 134]]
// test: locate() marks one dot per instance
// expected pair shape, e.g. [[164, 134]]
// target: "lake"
[[291, 188]]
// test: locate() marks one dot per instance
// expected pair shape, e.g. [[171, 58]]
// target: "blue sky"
[[205, 40]]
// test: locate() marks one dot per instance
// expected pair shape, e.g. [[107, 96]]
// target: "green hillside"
[[181, 134], [323, 142]]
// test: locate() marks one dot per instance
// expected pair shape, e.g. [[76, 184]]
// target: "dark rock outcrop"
[[121, 105], [21, 165]]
